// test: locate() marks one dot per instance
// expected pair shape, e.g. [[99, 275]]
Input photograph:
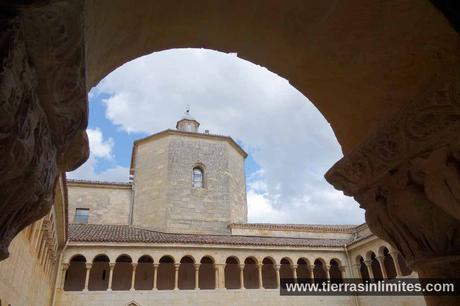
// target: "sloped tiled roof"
[[343, 228], [131, 234]]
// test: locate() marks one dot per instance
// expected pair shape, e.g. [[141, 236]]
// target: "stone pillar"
[[88, 270], [259, 270], [328, 269], [294, 272], [197, 276], [368, 263], [242, 276], [221, 275], [133, 276], [65, 267], [312, 273], [112, 266], [357, 270], [216, 277], [394, 255], [405, 175], [155, 275], [382, 266], [277, 270], [176, 276]]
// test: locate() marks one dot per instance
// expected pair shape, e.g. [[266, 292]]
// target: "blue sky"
[[289, 142]]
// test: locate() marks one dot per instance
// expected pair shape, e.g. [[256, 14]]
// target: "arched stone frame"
[[166, 273], [363, 271], [122, 273], [405, 270], [319, 270], [76, 273], [374, 265], [186, 274], [133, 303], [269, 276], [286, 273], [388, 262], [303, 270], [232, 273], [251, 273], [99, 273], [207, 273], [144, 273], [335, 270], [200, 166]]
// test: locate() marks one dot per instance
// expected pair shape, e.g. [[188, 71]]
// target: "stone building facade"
[[177, 234]]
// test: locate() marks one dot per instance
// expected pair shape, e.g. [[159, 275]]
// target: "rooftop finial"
[[187, 109]]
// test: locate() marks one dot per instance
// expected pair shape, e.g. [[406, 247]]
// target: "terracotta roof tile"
[[130, 234]]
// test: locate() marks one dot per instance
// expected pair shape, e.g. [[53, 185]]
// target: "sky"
[[290, 144]]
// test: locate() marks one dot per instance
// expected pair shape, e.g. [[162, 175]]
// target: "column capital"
[[294, 266], [368, 263], [88, 265], [277, 267], [242, 266], [134, 264], [155, 265], [112, 265], [197, 266], [176, 266], [65, 266]]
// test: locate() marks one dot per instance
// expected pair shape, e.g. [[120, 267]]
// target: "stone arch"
[[186, 273], [388, 263], [99, 274], [335, 271], [375, 266], [363, 272], [133, 303], [207, 274], [286, 273], [122, 273], [144, 273], [319, 270], [232, 273], [166, 273], [303, 270], [76, 274], [251, 273], [269, 273]]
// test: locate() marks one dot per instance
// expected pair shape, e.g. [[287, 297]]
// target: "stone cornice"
[[98, 184], [317, 228], [430, 121]]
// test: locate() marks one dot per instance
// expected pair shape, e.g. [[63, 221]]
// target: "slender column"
[[294, 272], [312, 273], [277, 270], [112, 266], [357, 269], [65, 267], [155, 275], [242, 276], [343, 271], [328, 269], [197, 276], [176, 276], [216, 277], [369, 269], [259, 269], [394, 255], [221, 276], [382, 266], [133, 276], [88, 269]]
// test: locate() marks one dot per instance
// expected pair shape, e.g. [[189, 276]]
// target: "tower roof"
[[189, 121]]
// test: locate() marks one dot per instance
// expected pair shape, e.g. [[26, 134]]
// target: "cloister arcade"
[[190, 273]]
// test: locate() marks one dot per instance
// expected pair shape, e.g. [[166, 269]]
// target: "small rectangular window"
[[81, 215]]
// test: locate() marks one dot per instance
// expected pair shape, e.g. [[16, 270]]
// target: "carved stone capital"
[[407, 178]]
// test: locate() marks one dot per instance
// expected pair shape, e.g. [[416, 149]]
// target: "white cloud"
[[286, 135], [100, 149]]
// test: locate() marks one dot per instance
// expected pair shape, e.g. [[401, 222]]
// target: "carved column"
[[111, 266], [394, 255], [197, 276], [294, 272], [155, 275], [369, 269], [407, 178], [65, 267], [176, 276], [259, 271], [88, 270], [382, 266], [133, 276], [277, 270], [242, 276], [216, 277], [43, 107], [312, 273]]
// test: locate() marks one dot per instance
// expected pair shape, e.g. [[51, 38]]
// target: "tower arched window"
[[198, 178]]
